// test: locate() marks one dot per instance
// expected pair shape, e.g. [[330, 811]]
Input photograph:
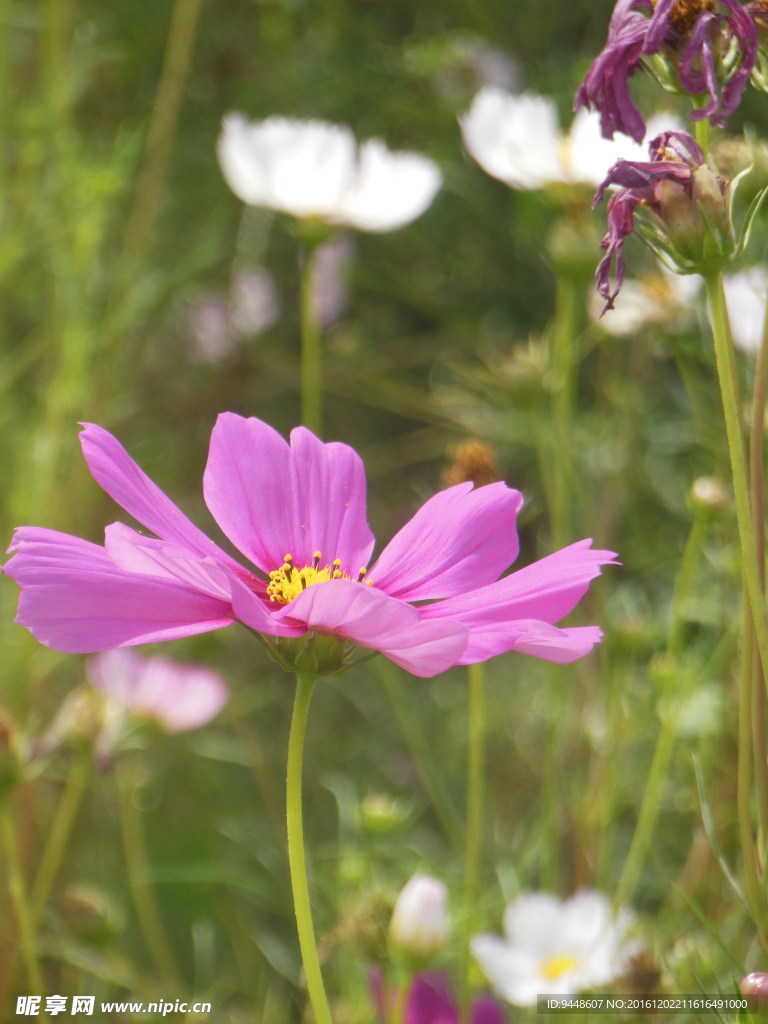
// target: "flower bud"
[[419, 925], [755, 985]]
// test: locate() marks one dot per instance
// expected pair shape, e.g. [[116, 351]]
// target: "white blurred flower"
[[312, 169], [178, 697], [661, 299], [556, 948], [745, 296], [516, 138], [419, 924]]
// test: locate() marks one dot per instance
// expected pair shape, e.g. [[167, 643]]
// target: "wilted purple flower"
[[676, 185], [431, 1001], [712, 45]]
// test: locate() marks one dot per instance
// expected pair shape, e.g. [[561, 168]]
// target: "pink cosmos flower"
[[178, 697], [432, 599]]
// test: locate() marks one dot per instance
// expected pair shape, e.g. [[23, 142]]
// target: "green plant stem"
[[726, 371], [753, 886], [59, 833], [474, 837], [311, 346], [137, 868], [757, 480], [20, 902], [665, 742], [752, 555], [402, 995], [305, 682]]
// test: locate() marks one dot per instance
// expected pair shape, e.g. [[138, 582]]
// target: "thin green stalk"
[[21, 907], [402, 995], [59, 833], [311, 346], [305, 682], [726, 371], [757, 480], [475, 807], [752, 556], [137, 868], [754, 889], [160, 134], [665, 741]]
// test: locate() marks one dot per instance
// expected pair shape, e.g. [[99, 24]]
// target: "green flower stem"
[[60, 831], [19, 901], [474, 837], [726, 371], [754, 889], [311, 346], [402, 995], [137, 867], [757, 479], [305, 682], [665, 742], [753, 578]]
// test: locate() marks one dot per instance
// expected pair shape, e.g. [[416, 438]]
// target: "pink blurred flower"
[[179, 697], [431, 1001], [298, 513]]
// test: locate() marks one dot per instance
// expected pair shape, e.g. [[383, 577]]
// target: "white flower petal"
[[389, 190], [554, 947], [514, 138], [313, 169], [745, 293]]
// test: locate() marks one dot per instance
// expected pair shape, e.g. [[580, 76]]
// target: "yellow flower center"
[[685, 13], [557, 966], [287, 582]]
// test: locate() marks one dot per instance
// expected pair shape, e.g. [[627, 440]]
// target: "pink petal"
[[460, 539], [179, 696], [514, 613], [271, 499], [365, 615], [146, 556], [74, 599], [244, 592], [547, 590], [126, 483]]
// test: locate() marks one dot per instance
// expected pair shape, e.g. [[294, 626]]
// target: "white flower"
[[662, 299], [555, 948], [516, 138], [419, 924], [745, 296], [312, 169]]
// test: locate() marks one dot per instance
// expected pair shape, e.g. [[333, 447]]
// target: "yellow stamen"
[[287, 582], [557, 966]]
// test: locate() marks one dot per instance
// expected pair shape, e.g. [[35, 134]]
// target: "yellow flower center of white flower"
[[287, 582], [557, 966]]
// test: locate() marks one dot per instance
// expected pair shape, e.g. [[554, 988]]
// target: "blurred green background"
[[118, 237]]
